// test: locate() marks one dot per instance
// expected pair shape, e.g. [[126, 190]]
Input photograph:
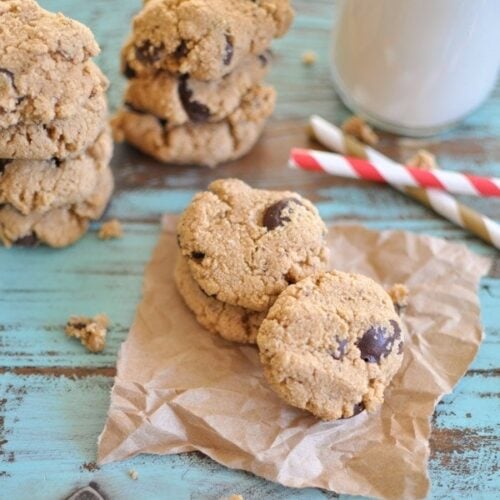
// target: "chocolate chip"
[[272, 216], [129, 72], [396, 329], [3, 164], [341, 349], [56, 161], [148, 53], [197, 255], [27, 241], [374, 344], [90, 492], [10, 75], [228, 51], [181, 50], [196, 111], [134, 109], [356, 410]]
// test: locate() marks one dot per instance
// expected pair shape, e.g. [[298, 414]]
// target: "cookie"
[[199, 143], [331, 344], [60, 138], [43, 62], [206, 39], [179, 100], [230, 322], [38, 186], [42, 94], [58, 227], [245, 246]]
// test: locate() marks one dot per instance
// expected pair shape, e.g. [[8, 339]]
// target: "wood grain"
[[54, 395]]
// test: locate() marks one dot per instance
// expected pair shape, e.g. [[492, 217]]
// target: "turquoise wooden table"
[[54, 394]]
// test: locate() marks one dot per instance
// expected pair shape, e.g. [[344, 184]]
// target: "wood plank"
[[54, 395], [70, 413]]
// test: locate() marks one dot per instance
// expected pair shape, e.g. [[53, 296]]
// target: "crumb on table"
[[236, 497], [90, 331], [133, 474], [423, 159], [111, 229], [309, 57], [358, 128], [399, 294]]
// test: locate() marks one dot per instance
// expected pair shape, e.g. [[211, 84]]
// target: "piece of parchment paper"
[[179, 388]]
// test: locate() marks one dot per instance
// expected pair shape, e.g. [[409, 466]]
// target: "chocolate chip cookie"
[[230, 322], [203, 38], [245, 246], [43, 62], [331, 344], [39, 186], [58, 139], [58, 227], [199, 143], [179, 100]]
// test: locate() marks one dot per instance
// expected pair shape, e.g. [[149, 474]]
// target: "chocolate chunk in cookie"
[[248, 265], [149, 53], [317, 351], [196, 111], [274, 216]]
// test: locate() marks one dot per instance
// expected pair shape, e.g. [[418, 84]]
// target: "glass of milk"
[[415, 67]]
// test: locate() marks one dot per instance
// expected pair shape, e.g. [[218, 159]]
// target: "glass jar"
[[415, 67]]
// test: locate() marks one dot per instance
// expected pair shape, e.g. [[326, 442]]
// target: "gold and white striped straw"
[[441, 202]]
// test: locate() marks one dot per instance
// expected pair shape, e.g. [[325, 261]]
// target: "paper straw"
[[439, 201], [401, 175]]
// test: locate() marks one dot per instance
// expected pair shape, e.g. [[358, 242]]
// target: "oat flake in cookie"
[[331, 344], [245, 246]]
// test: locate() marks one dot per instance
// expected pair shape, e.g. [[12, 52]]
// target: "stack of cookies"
[[195, 68], [55, 144], [252, 268]]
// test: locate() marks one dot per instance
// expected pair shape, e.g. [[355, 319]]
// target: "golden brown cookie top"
[[206, 39], [331, 344], [245, 246]]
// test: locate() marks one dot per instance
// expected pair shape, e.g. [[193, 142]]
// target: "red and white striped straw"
[[441, 202], [394, 173]]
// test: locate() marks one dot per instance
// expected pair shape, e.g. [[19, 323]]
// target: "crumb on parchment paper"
[[399, 294], [423, 159], [309, 57], [133, 474], [90, 331], [111, 229], [359, 129]]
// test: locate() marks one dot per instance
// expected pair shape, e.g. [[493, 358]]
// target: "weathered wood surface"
[[54, 395]]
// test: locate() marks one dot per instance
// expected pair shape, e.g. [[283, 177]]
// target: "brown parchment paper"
[[179, 388]]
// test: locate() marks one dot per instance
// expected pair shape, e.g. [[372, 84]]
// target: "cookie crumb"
[[399, 294], [90, 331], [358, 128], [111, 229], [309, 57], [133, 474], [423, 159], [236, 497]]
